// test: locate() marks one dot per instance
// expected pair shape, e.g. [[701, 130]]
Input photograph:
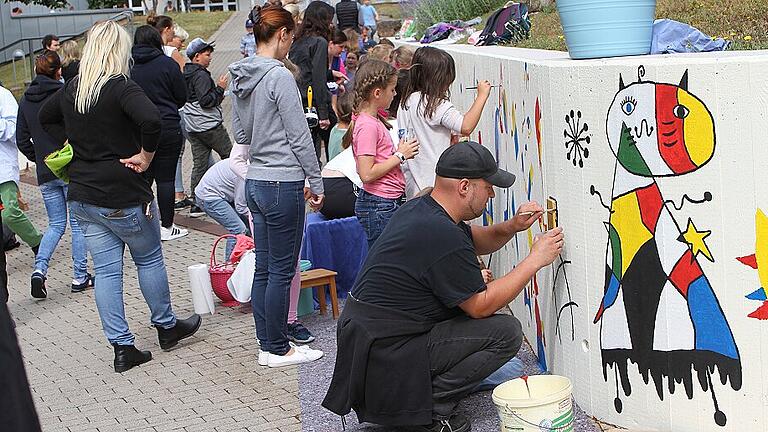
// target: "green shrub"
[[428, 12]]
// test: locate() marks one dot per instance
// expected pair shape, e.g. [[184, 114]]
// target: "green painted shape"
[[563, 421], [615, 242], [629, 156]]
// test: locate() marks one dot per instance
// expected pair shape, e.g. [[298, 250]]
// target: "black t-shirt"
[[422, 263]]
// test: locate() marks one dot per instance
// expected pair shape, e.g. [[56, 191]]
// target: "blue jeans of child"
[[55, 198], [222, 212], [277, 209], [374, 213], [107, 232]]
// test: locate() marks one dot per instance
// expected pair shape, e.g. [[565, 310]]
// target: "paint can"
[[540, 403], [607, 28]]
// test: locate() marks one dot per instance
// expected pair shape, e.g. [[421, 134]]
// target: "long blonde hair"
[[107, 54], [69, 51]]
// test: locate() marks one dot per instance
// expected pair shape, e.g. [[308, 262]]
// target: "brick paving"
[[211, 382]]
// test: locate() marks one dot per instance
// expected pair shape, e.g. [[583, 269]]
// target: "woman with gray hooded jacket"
[[269, 118]]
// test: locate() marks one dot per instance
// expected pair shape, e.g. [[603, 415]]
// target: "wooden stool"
[[320, 278]]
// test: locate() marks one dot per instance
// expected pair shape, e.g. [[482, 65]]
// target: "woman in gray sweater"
[[268, 117]]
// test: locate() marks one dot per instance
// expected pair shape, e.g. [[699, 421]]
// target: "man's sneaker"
[[301, 354], [80, 287], [456, 423], [299, 334], [172, 233], [195, 211], [38, 286], [182, 203]]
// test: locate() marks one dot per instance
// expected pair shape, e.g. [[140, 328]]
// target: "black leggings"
[[163, 171]]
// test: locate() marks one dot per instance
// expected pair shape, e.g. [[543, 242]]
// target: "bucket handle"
[[555, 429]]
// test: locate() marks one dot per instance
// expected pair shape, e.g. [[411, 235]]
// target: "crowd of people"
[[325, 115]]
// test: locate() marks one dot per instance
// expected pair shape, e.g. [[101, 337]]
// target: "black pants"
[[320, 136], [465, 351], [163, 171], [18, 409], [3, 273], [339, 198]]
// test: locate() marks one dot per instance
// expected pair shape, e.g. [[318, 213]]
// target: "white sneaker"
[[263, 358], [172, 233], [303, 354]]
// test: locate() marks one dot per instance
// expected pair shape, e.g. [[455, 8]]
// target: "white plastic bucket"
[[543, 405]]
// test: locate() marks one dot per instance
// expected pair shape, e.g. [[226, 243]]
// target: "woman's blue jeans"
[[55, 198], [107, 232], [277, 209]]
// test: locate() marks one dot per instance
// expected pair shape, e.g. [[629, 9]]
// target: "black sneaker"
[[456, 423], [38, 286], [76, 288], [182, 204], [299, 334], [195, 211]]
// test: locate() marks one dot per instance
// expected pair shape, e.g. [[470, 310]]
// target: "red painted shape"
[[749, 260], [650, 202], [686, 271], [760, 313], [670, 132], [479, 137]]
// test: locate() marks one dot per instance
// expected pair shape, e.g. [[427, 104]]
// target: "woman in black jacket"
[[310, 53], [160, 78], [114, 130], [36, 144]]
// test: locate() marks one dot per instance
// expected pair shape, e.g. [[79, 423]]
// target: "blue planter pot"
[[607, 28]]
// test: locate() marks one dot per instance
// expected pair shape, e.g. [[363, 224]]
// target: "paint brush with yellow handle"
[[311, 115]]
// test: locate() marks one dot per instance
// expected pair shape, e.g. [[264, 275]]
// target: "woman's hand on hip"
[[139, 162]]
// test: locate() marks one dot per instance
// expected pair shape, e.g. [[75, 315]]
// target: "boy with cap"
[[202, 113], [248, 41], [420, 305]]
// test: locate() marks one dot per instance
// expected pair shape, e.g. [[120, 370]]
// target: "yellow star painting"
[[695, 240]]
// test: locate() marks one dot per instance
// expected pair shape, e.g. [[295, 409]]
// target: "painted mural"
[[658, 302], [659, 310]]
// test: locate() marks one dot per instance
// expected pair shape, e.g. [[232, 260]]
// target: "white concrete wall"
[[687, 335]]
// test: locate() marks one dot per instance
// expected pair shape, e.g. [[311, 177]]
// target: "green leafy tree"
[[52, 4]]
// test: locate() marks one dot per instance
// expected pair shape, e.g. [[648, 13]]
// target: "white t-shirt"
[[434, 135], [345, 163], [221, 182]]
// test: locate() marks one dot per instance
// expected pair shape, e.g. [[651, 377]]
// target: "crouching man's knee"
[[508, 332]]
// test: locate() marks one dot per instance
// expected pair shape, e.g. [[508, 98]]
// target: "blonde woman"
[[70, 59], [112, 202]]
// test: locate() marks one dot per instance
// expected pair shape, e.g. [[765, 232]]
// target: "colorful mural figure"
[[659, 310], [759, 262]]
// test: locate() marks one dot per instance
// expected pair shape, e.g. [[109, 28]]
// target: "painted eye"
[[628, 107], [681, 111]]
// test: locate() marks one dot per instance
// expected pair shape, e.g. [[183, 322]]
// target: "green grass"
[[743, 22], [198, 24], [392, 10]]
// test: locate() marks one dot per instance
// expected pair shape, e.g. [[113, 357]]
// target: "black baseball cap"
[[470, 160]]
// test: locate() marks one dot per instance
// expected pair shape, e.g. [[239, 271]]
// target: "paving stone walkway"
[[211, 382]]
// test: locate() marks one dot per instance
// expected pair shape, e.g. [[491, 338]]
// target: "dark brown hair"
[[47, 63], [268, 20], [432, 73], [339, 37], [371, 75], [159, 22], [317, 21]]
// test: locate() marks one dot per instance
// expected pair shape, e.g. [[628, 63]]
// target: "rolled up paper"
[[202, 292]]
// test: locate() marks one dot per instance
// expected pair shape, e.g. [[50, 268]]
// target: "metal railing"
[[31, 52]]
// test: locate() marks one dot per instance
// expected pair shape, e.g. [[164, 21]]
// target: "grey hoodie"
[[268, 116]]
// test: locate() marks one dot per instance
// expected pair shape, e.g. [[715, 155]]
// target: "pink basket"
[[220, 274]]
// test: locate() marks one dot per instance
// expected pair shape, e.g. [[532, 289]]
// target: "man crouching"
[[419, 330]]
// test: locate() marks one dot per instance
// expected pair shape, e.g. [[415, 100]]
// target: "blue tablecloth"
[[338, 244]]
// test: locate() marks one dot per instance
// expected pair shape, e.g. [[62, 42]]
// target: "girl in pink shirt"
[[378, 161]]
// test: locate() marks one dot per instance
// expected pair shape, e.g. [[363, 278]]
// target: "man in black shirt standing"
[[419, 331]]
